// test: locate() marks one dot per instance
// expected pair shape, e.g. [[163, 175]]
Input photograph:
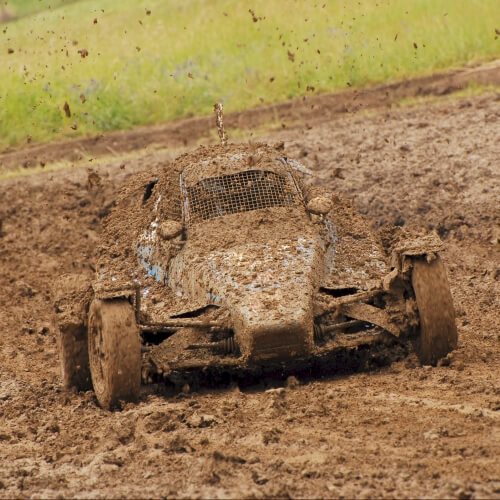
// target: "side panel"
[[353, 257]]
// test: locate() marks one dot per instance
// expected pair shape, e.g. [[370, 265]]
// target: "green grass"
[[185, 55], [21, 8]]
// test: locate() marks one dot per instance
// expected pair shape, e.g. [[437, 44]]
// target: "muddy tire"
[[73, 354], [114, 352], [438, 330], [72, 295]]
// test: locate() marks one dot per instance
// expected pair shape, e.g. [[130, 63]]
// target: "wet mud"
[[395, 430]]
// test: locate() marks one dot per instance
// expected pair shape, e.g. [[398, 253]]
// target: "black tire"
[[438, 330], [71, 295], [114, 352]]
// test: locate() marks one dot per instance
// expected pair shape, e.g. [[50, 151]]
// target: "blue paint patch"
[[156, 272], [144, 254]]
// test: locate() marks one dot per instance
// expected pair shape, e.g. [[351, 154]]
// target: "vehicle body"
[[228, 258]]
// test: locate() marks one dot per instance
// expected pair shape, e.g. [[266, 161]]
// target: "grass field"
[[21, 8], [122, 64]]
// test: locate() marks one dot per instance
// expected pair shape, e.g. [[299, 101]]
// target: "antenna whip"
[[220, 123]]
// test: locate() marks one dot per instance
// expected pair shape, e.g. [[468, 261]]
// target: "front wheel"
[[438, 330], [114, 352]]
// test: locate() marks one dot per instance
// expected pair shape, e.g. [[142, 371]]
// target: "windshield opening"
[[240, 192]]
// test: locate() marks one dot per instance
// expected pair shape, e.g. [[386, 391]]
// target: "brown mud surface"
[[396, 431]]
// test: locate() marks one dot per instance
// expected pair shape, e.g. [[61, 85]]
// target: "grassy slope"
[[21, 8], [183, 56]]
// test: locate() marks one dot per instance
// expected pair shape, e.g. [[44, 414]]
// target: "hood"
[[267, 288]]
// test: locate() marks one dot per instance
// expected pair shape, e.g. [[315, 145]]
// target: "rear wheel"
[[114, 352], [72, 293], [438, 330]]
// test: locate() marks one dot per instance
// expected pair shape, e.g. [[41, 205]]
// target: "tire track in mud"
[[434, 404]]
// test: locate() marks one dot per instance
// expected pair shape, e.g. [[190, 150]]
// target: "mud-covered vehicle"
[[228, 258]]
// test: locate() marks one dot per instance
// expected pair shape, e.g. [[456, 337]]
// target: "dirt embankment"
[[401, 431], [291, 114]]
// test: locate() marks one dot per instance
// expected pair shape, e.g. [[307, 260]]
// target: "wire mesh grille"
[[241, 192]]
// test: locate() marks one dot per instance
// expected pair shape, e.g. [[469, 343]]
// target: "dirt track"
[[401, 431]]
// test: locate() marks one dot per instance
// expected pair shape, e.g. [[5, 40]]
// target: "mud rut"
[[397, 431]]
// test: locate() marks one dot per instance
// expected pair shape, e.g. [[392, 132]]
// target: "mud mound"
[[398, 431]]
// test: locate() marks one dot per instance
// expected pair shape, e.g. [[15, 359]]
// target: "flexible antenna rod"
[[220, 123]]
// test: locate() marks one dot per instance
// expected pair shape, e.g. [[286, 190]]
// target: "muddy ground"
[[398, 431]]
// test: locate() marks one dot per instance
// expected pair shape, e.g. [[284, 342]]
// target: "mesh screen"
[[241, 192]]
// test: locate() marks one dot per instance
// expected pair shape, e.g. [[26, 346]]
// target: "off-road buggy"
[[227, 258]]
